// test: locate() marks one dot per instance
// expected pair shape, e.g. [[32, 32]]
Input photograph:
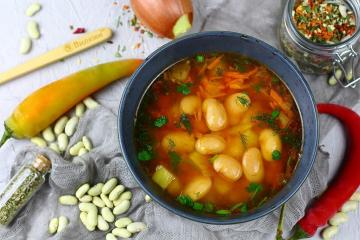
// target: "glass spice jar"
[[22, 187], [322, 58]]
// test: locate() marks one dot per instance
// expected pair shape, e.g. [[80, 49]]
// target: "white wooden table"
[[55, 20]]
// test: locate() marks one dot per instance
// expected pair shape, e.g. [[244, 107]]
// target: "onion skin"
[[161, 15]]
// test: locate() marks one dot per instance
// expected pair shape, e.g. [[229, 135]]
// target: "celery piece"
[[163, 177]]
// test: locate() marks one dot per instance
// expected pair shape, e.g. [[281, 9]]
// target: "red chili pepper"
[[346, 181], [79, 30]]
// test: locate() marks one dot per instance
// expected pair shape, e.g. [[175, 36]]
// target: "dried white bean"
[[110, 236], [338, 219], [82, 190], [25, 45], [38, 141], [147, 198], [98, 202], [48, 135], [53, 225], [87, 207], [85, 199], [106, 200], [63, 141], [96, 189], [121, 232], [136, 227], [349, 206], [102, 224], [90, 103], [107, 214], [60, 125], [109, 186], [123, 222], [355, 197], [126, 195], [33, 29], [82, 151], [115, 193], [329, 232], [63, 222], [33, 9], [87, 143], [122, 207], [71, 126], [55, 147], [83, 218], [80, 109], [68, 200], [74, 150]]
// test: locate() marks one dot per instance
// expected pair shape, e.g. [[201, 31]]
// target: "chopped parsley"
[[223, 212], [145, 155], [243, 101], [242, 207], [175, 159], [184, 88], [198, 206], [276, 155], [160, 121], [184, 120], [257, 87], [275, 80], [185, 200], [200, 58], [254, 189], [208, 207]]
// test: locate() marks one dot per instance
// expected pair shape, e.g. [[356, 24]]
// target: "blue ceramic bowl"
[[209, 42]]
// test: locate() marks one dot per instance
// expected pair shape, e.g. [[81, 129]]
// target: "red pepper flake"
[[126, 7], [137, 45], [79, 31]]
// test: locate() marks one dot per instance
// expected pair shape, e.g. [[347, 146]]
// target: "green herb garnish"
[[254, 189], [242, 207], [145, 155], [275, 114], [198, 206], [184, 88], [200, 58], [243, 101], [276, 155], [257, 87], [208, 207], [184, 120], [160, 121], [223, 212], [175, 159], [185, 200]]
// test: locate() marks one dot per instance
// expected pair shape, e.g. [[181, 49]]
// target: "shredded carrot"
[[203, 69], [214, 63], [280, 101]]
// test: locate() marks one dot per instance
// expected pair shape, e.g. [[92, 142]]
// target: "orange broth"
[[217, 76]]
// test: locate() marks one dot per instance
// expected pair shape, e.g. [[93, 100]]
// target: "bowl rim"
[[205, 219]]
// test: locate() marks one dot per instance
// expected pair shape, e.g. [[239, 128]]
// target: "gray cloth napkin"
[[257, 18]]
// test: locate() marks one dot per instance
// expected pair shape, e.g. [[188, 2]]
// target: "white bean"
[[87, 207], [110, 236], [115, 193], [329, 232], [80, 110], [136, 227], [102, 224], [92, 218], [90, 103], [85, 199], [338, 219], [124, 196], [38, 141], [106, 200], [87, 143], [25, 45], [121, 232], [74, 150], [68, 200], [33, 29], [122, 207], [53, 225], [123, 222], [63, 222], [48, 135], [63, 141], [82, 151], [98, 202], [55, 147], [33, 9], [107, 214], [71, 126], [83, 218], [81, 191], [96, 189], [349, 206], [355, 197], [147, 198], [60, 125], [109, 186]]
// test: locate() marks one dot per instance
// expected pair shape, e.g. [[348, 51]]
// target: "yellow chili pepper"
[[47, 104]]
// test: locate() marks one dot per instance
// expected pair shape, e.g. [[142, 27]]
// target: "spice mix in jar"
[[322, 36]]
